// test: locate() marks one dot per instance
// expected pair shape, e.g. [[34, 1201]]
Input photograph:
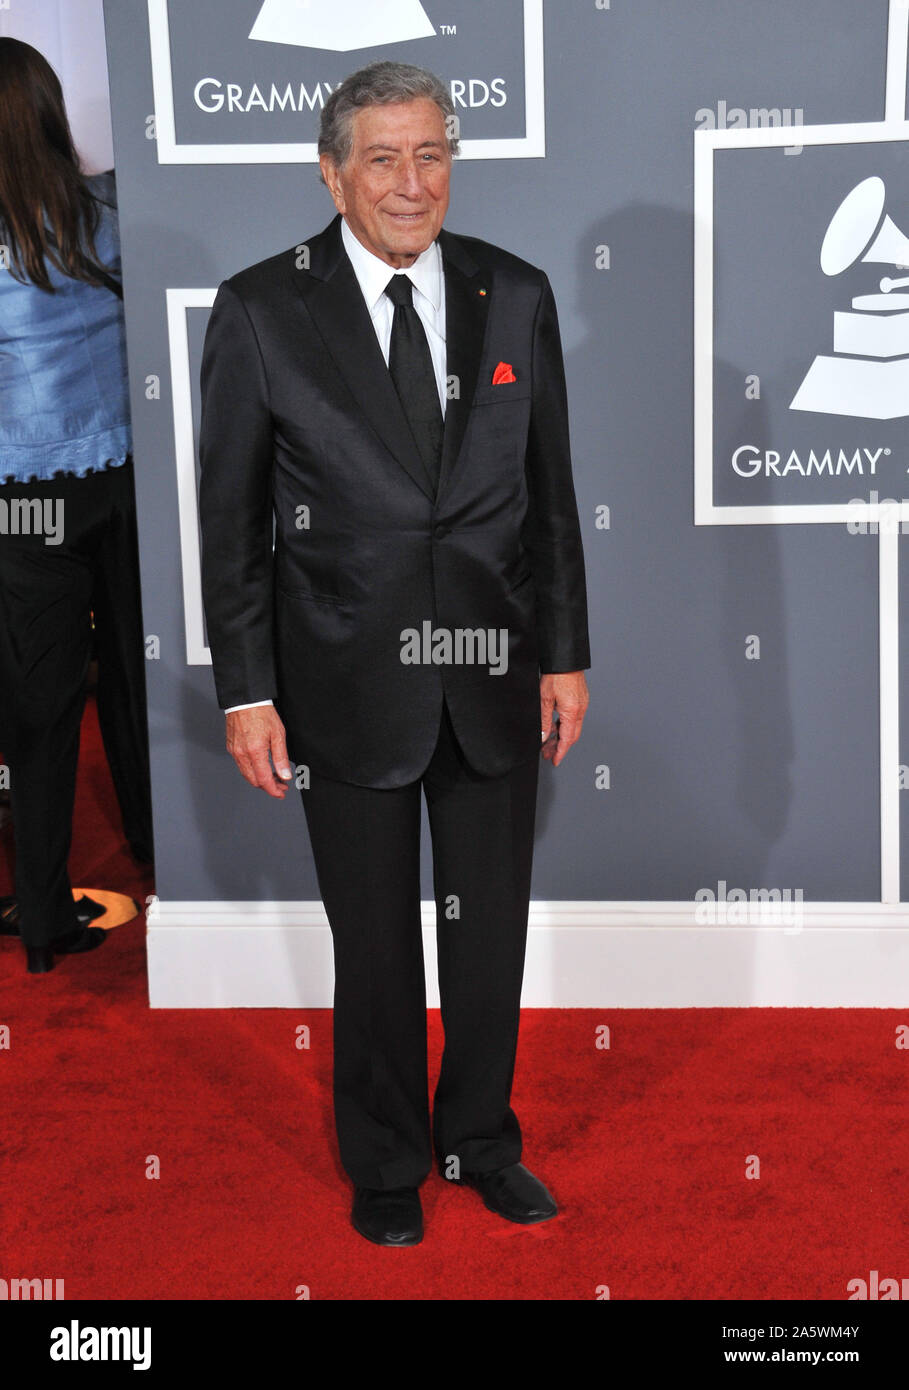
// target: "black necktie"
[[411, 368]]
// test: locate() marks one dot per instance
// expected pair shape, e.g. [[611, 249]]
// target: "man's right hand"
[[253, 734]]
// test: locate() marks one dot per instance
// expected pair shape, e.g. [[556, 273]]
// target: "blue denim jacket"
[[64, 393]]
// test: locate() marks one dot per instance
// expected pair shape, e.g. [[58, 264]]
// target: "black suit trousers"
[[367, 855], [49, 595]]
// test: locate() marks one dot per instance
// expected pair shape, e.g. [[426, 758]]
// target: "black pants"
[[48, 594], [366, 849]]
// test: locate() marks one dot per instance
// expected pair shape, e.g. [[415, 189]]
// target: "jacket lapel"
[[335, 302], [467, 295]]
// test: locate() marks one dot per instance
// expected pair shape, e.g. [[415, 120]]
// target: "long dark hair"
[[41, 177]]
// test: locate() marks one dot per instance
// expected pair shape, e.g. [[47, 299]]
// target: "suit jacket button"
[[440, 530]]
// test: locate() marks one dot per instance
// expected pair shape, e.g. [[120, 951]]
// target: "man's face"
[[393, 190]]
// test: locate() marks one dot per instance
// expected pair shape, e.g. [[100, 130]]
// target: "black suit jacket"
[[301, 422]]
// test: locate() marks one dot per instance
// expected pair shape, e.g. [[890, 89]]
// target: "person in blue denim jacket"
[[69, 581]]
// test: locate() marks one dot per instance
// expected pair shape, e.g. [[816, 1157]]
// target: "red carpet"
[[644, 1146]]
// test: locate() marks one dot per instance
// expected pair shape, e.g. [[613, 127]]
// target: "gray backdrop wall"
[[70, 34], [720, 766]]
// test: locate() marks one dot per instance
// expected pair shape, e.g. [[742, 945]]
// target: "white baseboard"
[[632, 955]]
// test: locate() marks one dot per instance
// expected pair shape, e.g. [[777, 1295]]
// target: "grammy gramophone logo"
[[341, 25], [868, 373]]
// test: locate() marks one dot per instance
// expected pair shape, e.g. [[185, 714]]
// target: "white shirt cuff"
[[255, 705]]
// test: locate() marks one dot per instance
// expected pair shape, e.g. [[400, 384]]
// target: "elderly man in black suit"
[[392, 396]]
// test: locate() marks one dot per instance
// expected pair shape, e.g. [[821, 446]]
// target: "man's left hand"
[[566, 692]]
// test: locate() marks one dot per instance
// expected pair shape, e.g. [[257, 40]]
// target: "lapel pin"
[[481, 291]]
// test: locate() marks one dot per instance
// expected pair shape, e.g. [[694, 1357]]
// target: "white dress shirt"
[[428, 280]]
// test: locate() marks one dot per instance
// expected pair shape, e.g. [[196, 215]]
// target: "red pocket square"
[[503, 373]]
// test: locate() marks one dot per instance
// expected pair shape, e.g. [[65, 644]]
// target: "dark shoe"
[[79, 940], [388, 1217], [512, 1192], [86, 911], [40, 959]]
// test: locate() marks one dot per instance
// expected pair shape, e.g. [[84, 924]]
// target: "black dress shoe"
[[78, 940], [86, 911], [41, 958], [512, 1192], [390, 1216]]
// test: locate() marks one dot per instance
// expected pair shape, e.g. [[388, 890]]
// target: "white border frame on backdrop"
[[178, 301], [706, 511], [530, 145]]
